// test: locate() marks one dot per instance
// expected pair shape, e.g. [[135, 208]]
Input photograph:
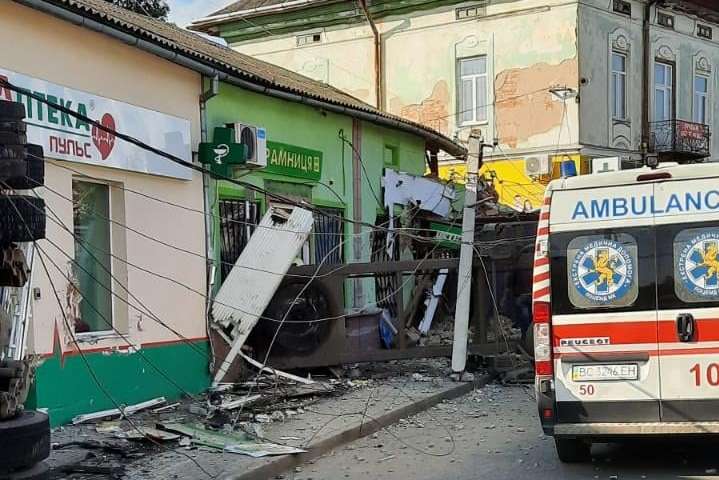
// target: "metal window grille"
[[238, 219], [385, 284], [328, 237]]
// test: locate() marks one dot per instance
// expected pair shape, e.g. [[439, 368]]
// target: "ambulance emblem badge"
[[603, 271], [699, 264]]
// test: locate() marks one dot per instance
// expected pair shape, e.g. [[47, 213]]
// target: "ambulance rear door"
[[687, 223], [603, 295]]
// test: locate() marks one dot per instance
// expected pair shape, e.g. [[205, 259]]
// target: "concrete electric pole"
[[464, 277]]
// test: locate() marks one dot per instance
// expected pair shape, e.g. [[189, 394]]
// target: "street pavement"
[[493, 433]]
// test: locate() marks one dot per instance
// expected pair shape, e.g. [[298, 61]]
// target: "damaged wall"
[[530, 46]]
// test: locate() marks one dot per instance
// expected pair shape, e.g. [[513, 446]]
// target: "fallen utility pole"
[[466, 254]]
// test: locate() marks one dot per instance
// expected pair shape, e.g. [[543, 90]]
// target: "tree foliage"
[[151, 8]]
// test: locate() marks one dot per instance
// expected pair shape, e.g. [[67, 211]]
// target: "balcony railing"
[[680, 139]]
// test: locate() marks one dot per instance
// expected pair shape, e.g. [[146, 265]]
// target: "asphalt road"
[[493, 433]]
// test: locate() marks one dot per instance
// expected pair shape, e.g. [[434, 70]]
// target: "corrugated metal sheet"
[[260, 268]]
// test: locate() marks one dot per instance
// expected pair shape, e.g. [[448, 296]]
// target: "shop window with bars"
[[238, 219], [328, 236]]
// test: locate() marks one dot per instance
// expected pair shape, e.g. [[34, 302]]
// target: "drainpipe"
[[378, 73], [646, 63], [209, 189]]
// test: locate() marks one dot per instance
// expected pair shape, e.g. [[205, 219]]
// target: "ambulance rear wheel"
[[573, 450]]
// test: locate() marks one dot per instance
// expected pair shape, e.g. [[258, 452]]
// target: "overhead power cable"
[[177, 160]]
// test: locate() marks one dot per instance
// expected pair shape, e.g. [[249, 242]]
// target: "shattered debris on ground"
[[232, 424]]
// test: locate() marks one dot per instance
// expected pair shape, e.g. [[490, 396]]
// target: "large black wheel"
[[11, 110], [40, 471], [24, 441], [22, 219], [572, 450], [301, 334]]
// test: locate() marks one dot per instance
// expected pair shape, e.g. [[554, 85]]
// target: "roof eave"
[[206, 24]]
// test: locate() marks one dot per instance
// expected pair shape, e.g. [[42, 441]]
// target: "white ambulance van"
[[626, 306]]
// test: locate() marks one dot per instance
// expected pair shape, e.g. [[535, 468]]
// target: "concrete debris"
[[263, 418], [109, 427]]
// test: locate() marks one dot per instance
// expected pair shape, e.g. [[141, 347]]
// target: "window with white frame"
[[663, 91], [92, 268], [472, 90], [619, 86], [701, 99]]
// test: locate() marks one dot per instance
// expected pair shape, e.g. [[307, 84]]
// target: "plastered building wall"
[[47, 48], [530, 46], [603, 31]]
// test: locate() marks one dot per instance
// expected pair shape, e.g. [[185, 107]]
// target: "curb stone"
[[319, 448]]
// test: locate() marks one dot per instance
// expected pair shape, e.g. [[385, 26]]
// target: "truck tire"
[[40, 471], [24, 441], [12, 110], [12, 172], [12, 138], [12, 152], [22, 219], [573, 450], [13, 126], [33, 170]]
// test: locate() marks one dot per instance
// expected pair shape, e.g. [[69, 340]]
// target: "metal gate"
[[238, 219]]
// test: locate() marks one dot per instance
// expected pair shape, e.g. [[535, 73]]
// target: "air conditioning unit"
[[606, 164], [255, 138], [537, 165]]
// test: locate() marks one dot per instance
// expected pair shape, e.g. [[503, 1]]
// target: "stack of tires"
[[22, 167], [24, 435]]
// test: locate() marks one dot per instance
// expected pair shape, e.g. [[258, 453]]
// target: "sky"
[[182, 12]]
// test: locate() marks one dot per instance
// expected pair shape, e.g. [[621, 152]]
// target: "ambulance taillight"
[[542, 339]]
